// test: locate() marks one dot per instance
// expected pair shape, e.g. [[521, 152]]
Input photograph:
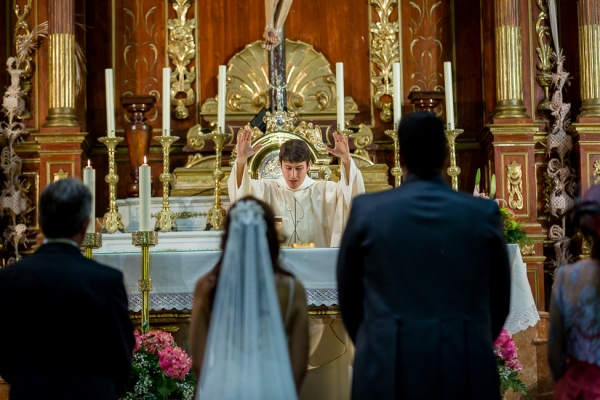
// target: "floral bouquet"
[[508, 364], [160, 369]]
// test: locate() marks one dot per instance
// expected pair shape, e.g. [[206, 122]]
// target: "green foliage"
[[513, 230], [509, 379]]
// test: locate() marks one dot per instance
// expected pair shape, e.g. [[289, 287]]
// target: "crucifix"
[[276, 12]]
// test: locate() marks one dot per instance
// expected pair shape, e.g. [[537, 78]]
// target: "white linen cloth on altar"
[[318, 208], [174, 276]]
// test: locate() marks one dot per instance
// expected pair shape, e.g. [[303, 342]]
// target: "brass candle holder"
[[91, 241], [145, 240], [453, 170], [216, 215], [396, 171], [166, 220], [112, 221]]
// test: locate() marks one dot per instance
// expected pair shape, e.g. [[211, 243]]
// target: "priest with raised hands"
[[312, 211]]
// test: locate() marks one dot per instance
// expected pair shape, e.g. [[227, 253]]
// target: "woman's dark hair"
[[273, 239], [294, 151], [586, 216]]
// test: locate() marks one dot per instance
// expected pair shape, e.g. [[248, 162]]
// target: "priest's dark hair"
[[294, 151], [274, 239], [64, 207], [423, 147]]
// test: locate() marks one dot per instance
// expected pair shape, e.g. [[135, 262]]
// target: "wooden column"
[[589, 56]]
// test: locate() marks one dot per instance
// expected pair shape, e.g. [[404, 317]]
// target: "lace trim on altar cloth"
[[522, 320], [184, 301]]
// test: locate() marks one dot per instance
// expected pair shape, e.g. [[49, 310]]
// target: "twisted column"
[[61, 81], [589, 56], [509, 64]]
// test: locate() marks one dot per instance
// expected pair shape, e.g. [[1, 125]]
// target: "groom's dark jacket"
[[424, 290], [65, 332]]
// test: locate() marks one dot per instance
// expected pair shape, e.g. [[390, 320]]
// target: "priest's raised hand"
[[341, 149]]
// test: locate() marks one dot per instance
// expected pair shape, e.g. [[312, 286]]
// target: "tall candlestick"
[[339, 79], [221, 93], [89, 180], [397, 94], [110, 102], [144, 211], [449, 95], [166, 102]]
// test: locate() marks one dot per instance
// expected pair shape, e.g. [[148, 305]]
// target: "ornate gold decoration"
[[428, 63], [216, 214], [190, 214], [312, 133], [544, 52], [385, 50], [138, 32], [362, 139], [145, 240], [91, 241], [515, 185], [61, 82], [60, 175], [589, 57], [509, 69], [528, 249], [112, 221], [597, 172], [182, 50], [311, 87], [280, 121], [397, 170], [166, 220], [195, 138], [453, 170]]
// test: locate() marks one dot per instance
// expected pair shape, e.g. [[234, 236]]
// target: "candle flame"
[[89, 163], [145, 162]]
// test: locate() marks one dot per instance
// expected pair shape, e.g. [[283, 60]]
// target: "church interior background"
[[510, 99]]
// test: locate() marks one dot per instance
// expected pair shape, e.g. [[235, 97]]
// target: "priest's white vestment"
[[318, 208]]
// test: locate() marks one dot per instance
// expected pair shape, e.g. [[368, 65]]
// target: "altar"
[[174, 275]]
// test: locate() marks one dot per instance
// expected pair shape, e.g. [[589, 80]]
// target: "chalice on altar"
[[278, 222]]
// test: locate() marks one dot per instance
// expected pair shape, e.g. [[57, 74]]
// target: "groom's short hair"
[[294, 151]]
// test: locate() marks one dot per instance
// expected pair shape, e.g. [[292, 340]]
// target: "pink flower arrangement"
[[155, 341], [175, 362], [505, 348]]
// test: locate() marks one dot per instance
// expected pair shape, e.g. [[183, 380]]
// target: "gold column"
[[589, 57], [509, 61]]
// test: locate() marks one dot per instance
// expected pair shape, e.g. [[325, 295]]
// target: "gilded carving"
[[528, 249], [60, 175], [312, 133], [139, 31], [311, 84], [385, 50], [182, 50], [544, 52], [362, 139], [425, 33], [515, 185], [597, 172]]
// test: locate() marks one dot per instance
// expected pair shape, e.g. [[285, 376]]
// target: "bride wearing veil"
[[249, 329]]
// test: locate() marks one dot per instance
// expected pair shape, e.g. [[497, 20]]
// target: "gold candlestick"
[[165, 219], [453, 170], [145, 240], [216, 215], [91, 241], [112, 220], [396, 171]]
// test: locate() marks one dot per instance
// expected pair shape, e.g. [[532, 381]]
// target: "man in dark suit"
[[423, 281], [66, 332]]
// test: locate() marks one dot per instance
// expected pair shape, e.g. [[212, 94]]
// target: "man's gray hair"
[[64, 207]]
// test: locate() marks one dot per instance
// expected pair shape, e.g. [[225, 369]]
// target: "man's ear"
[[308, 165]]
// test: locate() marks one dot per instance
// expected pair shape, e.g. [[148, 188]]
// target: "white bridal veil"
[[246, 352]]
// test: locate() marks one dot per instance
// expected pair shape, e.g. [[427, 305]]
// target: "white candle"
[[89, 180], [166, 102], [110, 102], [397, 81], [339, 79], [449, 95], [144, 211], [221, 94]]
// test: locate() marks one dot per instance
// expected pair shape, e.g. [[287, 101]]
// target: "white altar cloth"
[[174, 275]]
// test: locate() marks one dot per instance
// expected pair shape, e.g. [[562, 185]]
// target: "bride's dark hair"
[[586, 216], [273, 239]]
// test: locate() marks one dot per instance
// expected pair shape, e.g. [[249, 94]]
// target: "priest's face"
[[294, 173]]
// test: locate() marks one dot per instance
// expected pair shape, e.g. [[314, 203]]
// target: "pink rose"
[[155, 341]]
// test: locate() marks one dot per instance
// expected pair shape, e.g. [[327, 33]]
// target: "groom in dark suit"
[[423, 281], [66, 332]]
